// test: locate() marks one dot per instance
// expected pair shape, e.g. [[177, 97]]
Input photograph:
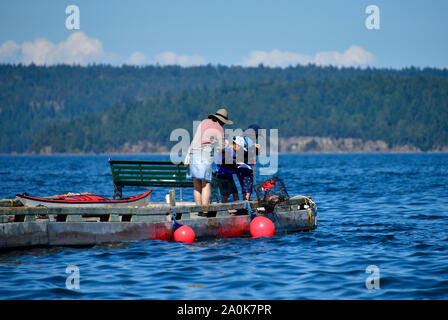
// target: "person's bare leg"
[[236, 197], [206, 188], [197, 193], [225, 198]]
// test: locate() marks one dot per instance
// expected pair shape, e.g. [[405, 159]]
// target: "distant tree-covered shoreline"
[[78, 109]]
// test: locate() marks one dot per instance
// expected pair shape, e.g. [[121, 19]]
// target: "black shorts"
[[226, 185]]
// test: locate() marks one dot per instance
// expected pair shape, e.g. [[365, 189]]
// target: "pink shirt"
[[208, 133], [211, 132]]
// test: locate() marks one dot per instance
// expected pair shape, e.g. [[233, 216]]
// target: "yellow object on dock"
[[10, 203]]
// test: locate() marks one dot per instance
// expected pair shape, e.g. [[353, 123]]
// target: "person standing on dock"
[[209, 134]]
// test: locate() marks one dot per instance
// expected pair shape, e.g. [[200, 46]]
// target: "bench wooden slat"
[[154, 184], [143, 162], [151, 182], [149, 168], [148, 173], [149, 178]]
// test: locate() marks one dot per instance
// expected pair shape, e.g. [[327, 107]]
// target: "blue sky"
[[243, 32]]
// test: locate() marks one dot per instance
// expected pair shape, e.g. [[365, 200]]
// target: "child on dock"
[[224, 173], [244, 170]]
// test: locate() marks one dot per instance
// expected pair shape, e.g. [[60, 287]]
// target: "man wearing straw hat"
[[209, 134]]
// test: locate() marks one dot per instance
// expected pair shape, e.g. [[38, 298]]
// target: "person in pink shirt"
[[209, 135]]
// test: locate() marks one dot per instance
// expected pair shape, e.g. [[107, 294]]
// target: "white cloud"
[[275, 58], [353, 56], [81, 49], [166, 58], [171, 58], [78, 48], [9, 51], [138, 58], [38, 52]]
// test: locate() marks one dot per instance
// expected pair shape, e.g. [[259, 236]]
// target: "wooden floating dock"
[[42, 226]]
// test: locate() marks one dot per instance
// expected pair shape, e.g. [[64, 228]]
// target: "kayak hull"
[[91, 201]]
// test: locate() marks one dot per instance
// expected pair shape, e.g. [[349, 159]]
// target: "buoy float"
[[184, 234], [261, 227]]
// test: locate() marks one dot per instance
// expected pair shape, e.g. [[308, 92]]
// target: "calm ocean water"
[[385, 210]]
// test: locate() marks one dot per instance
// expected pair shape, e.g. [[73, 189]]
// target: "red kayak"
[[87, 200]]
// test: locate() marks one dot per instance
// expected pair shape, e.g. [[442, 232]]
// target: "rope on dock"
[[10, 201]]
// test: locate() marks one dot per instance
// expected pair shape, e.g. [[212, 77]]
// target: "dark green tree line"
[[399, 110]]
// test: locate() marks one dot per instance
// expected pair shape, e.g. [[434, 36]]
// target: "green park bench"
[[148, 174]]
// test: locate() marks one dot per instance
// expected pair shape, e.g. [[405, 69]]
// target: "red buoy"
[[184, 234], [261, 227]]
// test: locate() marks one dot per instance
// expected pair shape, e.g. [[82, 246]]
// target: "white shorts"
[[200, 167]]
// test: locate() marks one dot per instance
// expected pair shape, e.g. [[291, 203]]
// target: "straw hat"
[[222, 115]]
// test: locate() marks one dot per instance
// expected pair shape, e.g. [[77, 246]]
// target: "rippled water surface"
[[386, 210]]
